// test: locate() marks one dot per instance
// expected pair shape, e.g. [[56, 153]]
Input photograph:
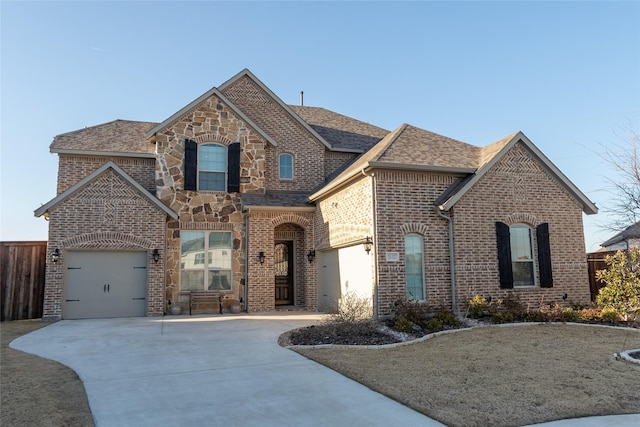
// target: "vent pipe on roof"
[[302, 98]]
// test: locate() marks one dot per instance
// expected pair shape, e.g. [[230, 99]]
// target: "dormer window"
[[286, 166]]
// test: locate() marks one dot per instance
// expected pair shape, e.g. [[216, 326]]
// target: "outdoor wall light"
[[55, 256], [311, 255], [368, 243], [565, 296], [261, 257], [156, 255]]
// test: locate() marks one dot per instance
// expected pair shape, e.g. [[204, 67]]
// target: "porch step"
[[290, 308]]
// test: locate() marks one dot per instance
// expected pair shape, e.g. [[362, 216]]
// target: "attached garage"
[[102, 284], [343, 270]]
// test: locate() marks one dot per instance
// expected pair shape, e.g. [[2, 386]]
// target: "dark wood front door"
[[284, 273]]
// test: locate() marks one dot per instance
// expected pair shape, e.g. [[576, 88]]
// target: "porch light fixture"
[[261, 257], [311, 255], [55, 256], [156, 255], [368, 243]]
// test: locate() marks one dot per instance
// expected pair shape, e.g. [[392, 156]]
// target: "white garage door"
[[105, 284], [341, 271]]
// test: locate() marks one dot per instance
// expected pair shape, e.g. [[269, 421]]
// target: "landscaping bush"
[[435, 325], [477, 306], [403, 325], [502, 317], [609, 315], [622, 279], [353, 308]]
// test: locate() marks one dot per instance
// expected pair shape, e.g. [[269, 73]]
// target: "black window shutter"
[[190, 164], [233, 168], [544, 256], [504, 255]]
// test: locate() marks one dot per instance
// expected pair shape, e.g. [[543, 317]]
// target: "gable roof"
[[115, 138], [196, 102], [89, 178], [491, 154], [410, 148], [631, 232], [342, 132]]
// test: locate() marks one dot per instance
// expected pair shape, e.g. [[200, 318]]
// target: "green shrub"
[[500, 317], [434, 325], [609, 315], [403, 325], [622, 279], [447, 318], [477, 306], [570, 315], [533, 316]]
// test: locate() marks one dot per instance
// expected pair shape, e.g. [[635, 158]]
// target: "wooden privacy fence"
[[22, 272], [595, 261]]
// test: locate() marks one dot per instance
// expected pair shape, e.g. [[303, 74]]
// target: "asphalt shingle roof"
[[118, 136], [631, 232]]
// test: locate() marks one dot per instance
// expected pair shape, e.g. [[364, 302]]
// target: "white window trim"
[[225, 171]]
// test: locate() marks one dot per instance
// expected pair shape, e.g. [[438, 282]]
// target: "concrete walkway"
[[208, 371]]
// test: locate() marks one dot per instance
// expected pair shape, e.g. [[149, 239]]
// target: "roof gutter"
[[452, 260]]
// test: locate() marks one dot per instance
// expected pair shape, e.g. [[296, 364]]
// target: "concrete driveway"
[[208, 371]]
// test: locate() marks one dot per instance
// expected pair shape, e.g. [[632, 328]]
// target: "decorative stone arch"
[[291, 219], [208, 137], [414, 227], [107, 240], [521, 218]]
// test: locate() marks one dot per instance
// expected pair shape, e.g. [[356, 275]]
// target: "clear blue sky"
[[565, 73]]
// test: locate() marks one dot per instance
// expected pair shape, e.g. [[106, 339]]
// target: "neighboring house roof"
[[89, 178], [112, 138], [340, 131], [631, 232]]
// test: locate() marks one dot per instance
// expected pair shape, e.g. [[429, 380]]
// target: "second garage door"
[[105, 284]]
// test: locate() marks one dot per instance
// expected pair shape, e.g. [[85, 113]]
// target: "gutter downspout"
[[375, 242], [452, 260]]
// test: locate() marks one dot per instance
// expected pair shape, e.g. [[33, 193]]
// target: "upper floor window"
[[212, 167], [414, 260], [286, 166]]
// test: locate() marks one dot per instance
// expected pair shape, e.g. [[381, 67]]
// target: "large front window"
[[414, 261], [212, 167], [521, 255], [212, 246]]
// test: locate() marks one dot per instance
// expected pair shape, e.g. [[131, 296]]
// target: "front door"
[[284, 273]]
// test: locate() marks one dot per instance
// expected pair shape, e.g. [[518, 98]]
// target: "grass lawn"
[[501, 376]]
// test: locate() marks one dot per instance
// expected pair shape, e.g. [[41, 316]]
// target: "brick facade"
[[106, 214], [380, 203]]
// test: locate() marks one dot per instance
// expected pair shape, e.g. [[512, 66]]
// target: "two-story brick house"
[[238, 195]]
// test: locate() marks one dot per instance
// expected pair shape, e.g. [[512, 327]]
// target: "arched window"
[[212, 167], [286, 166], [522, 255], [414, 261]]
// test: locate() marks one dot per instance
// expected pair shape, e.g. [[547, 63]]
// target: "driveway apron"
[[208, 371]]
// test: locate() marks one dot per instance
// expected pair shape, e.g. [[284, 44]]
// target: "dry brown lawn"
[[36, 391], [501, 376]]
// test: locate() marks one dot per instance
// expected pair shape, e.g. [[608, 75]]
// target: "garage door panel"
[[105, 284], [344, 270]]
